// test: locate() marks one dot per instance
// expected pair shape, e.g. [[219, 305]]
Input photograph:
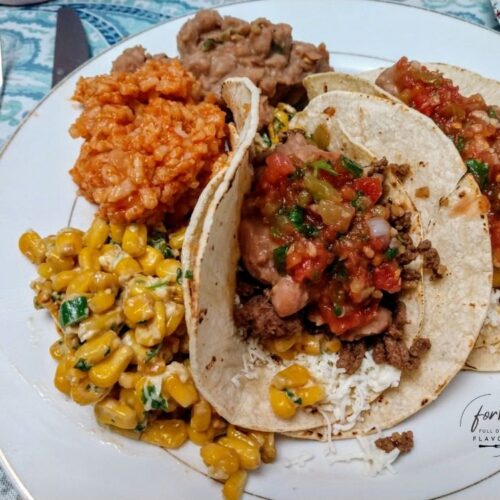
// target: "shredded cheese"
[[347, 396], [374, 459]]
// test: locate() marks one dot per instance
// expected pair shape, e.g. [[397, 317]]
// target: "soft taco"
[[466, 107], [326, 235]]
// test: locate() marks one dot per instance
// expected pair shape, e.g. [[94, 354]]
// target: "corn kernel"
[[46, 270], [88, 258], [116, 232], [109, 411], [310, 395], [59, 263], [166, 433], [184, 393], [80, 283], [201, 415], [292, 376], [97, 234], [248, 454], [69, 242], [102, 301], [268, 450], [234, 486], [32, 246], [311, 344], [200, 437], [107, 372], [174, 315], [151, 258], [60, 380], [135, 239], [98, 348], [102, 281], [176, 239], [85, 393], [283, 344], [127, 267], [168, 269], [221, 461], [128, 380], [62, 279], [281, 404], [140, 352], [58, 350], [101, 322], [139, 308], [332, 345]]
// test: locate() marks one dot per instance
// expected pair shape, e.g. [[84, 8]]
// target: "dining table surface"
[[27, 35]]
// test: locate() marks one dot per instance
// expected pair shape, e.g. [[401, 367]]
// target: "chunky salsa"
[[472, 124], [314, 227]]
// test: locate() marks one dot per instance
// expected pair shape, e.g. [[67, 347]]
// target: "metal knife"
[[72, 48]]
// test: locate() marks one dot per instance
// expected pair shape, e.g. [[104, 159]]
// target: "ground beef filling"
[[402, 441], [214, 48], [351, 356], [257, 318]]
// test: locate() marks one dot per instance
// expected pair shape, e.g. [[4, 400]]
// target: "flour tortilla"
[[486, 354], [217, 351]]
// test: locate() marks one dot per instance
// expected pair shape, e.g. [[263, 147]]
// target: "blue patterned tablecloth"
[[27, 35]]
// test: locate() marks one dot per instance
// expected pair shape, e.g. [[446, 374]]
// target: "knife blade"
[[71, 48]]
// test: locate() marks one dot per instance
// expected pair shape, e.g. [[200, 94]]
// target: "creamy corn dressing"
[[347, 396], [493, 315], [110, 259], [156, 381]]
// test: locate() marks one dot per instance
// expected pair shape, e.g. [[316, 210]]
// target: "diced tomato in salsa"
[[278, 167], [465, 119], [370, 186], [347, 321], [317, 212], [387, 277]]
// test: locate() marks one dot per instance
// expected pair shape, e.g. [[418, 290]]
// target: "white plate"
[[55, 447]]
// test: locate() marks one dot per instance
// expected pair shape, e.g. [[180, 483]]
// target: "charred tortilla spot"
[[211, 363], [424, 402], [461, 194]]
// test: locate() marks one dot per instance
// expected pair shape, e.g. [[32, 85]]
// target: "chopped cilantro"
[[296, 216], [492, 112], [178, 276], [357, 203], [279, 256], [355, 168], [309, 231], [157, 285], [298, 174], [156, 401], [338, 310], [265, 139], [277, 124], [153, 352], [82, 365], [293, 397], [324, 165], [188, 274], [480, 171], [391, 253], [159, 241], [460, 143]]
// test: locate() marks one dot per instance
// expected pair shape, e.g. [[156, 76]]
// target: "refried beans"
[[150, 143], [214, 48]]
